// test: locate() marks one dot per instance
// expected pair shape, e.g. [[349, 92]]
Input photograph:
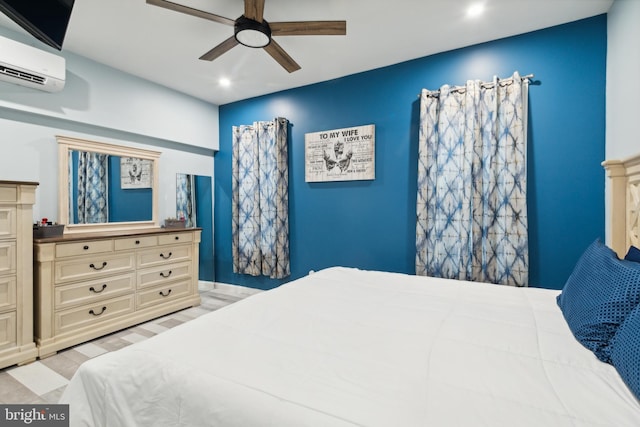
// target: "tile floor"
[[44, 380]]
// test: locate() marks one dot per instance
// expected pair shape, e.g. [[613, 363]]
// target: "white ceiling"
[[164, 46]]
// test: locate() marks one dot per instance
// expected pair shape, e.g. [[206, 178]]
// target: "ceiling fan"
[[252, 30]]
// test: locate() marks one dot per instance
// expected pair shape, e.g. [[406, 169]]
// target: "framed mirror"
[[194, 201], [106, 186], [186, 199]]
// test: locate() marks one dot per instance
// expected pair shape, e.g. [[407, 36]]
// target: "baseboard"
[[237, 290], [206, 286]]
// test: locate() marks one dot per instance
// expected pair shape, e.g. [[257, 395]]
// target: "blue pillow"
[[625, 351], [633, 254], [600, 293]]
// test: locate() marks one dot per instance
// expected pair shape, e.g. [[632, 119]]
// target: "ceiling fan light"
[[252, 33]]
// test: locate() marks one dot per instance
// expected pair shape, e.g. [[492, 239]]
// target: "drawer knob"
[[177, 237], [85, 247], [92, 289], [165, 295], [104, 264], [104, 308], [137, 242], [166, 257], [167, 275]]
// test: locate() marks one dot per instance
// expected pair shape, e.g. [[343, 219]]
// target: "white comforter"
[[344, 347]]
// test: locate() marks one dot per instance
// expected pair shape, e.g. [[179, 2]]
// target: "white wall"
[[623, 82], [30, 153], [623, 86], [105, 105], [102, 96]]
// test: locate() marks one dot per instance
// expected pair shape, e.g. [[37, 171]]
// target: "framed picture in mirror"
[[135, 173]]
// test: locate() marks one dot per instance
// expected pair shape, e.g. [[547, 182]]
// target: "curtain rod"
[[484, 85]]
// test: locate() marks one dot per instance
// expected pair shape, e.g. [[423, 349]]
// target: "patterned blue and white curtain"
[[93, 184], [260, 201], [472, 180], [185, 199]]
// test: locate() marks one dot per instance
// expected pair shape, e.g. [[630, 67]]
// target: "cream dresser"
[[92, 284], [16, 275]]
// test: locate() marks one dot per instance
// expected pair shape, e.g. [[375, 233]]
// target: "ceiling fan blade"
[[309, 28], [220, 49], [191, 11], [254, 9], [281, 57]]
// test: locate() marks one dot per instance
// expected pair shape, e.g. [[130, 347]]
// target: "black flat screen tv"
[[46, 20]]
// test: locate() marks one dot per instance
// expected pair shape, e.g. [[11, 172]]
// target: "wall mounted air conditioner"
[[27, 66]]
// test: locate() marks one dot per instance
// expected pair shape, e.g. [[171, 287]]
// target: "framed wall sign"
[[135, 173], [340, 154]]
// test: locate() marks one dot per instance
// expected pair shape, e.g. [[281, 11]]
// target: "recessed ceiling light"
[[224, 82], [475, 10]]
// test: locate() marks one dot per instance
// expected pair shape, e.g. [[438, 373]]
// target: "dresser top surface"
[[5, 182], [72, 237]]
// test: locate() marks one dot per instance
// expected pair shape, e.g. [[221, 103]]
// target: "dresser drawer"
[[94, 290], [8, 330], [164, 254], [83, 248], [7, 293], [86, 268], [7, 222], [135, 242], [162, 294], [72, 319], [137, 275], [7, 258], [163, 274], [173, 238], [8, 193]]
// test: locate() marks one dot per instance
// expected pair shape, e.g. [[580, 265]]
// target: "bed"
[[347, 347]]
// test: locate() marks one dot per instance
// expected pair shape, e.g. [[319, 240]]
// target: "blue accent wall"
[[371, 224], [134, 204]]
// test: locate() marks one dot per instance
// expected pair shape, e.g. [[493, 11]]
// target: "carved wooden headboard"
[[625, 203]]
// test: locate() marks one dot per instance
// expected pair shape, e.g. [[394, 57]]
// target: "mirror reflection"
[[186, 199], [106, 188], [194, 203]]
